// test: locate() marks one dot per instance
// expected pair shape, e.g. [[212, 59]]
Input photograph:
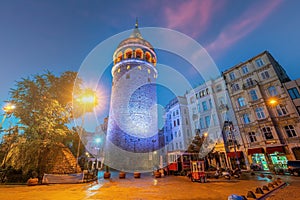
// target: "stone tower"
[[132, 135]]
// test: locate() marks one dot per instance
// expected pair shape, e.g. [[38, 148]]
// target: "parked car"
[[294, 167]]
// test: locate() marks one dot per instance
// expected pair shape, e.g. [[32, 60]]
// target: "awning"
[[271, 150], [232, 154], [255, 150]]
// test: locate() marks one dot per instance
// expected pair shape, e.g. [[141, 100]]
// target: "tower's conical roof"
[[135, 38]]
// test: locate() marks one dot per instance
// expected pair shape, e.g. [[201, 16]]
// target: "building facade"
[[177, 131], [293, 139], [210, 109], [264, 112]]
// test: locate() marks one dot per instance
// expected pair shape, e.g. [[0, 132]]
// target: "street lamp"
[[88, 101], [8, 109]]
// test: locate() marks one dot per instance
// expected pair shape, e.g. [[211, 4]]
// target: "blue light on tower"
[[132, 125]]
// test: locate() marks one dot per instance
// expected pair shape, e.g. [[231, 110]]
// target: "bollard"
[[259, 191], [269, 177], [275, 183], [262, 175], [251, 194], [270, 185], [266, 188]]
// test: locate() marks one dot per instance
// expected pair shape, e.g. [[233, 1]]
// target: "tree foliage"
[[44, 105]]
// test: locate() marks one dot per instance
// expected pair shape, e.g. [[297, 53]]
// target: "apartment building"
[[293, 89], [210, 109], [265, 114]]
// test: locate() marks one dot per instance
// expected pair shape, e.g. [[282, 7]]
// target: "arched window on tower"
[[148, 56], [154, 61], [139, 53], [119, 57], [128, 53]]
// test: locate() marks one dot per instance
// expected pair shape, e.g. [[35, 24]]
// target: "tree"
[[44, 105], [44, 108]]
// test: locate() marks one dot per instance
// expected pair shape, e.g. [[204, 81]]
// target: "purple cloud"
[[190, 17], [245, 24]]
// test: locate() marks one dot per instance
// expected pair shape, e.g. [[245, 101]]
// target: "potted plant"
[[157, 174], [106, 173], [137, 175]]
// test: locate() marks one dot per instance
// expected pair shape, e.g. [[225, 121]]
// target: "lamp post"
[[88, 98], [8, 109]]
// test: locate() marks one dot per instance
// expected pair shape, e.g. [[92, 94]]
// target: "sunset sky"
[[58, 35]]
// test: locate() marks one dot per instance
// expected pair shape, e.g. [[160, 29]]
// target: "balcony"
[[250, 84], [223, 107], [293, 140]]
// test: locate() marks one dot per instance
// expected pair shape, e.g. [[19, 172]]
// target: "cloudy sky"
[[58, 35]]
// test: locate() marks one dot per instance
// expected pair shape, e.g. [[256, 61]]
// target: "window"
[[267, 133], [246, 118], [260, 113], [218, 88], [198, 105], [177, 112], [231, 75], [179, 133], [252, 136], [253, 95], [294, 93], [174, 123], [202, 126], [235, 87], [207, 121], [245, 69], [210, 103], [259, 62], [241, 101], [173, 113], [175, 134], [180, 145], [221, 100], [272, 91], [249, 82], [265, 75], [167, 140], [184, 111], [281, 110], [188, 132], [171, 136], [178, 122], [186, 121], [204, 105], [290, 131]]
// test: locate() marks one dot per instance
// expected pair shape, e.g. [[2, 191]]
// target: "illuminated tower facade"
[[132, 135]]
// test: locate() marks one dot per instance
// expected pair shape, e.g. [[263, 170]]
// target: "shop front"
[[258, 158], [236, 159], [278, 158]]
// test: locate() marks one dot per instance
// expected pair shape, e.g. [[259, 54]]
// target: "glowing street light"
[[8, 109], [273, 102], [88, 101]]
